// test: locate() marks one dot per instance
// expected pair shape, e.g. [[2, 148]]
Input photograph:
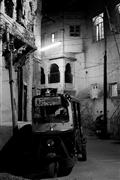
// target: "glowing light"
[[50, 46]]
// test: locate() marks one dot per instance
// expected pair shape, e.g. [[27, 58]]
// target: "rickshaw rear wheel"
[[84, 155], [53, 169]]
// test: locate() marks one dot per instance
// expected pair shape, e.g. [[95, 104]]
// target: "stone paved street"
[[103, 161]]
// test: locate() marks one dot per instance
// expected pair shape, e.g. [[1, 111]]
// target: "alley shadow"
[[17, 157]]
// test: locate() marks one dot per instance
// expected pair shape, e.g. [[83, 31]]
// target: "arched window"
[[54, 76], [42, 76], [68, 75], [98, 27]]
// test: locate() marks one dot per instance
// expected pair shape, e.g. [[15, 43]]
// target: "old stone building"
[[20, 24], [73, 49]]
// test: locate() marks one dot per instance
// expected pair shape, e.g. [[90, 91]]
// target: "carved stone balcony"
[[24, 42], [17, 30]]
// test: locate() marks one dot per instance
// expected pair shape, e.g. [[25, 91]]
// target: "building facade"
[[73, 51], [61, 47], [20, 24]]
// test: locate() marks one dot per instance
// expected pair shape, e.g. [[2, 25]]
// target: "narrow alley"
[[59, 77]]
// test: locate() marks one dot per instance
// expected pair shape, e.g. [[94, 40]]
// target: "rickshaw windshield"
[[50, 109]]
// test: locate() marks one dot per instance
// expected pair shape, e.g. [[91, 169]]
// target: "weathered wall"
[[29, 11], [94, 64], [60, 27]]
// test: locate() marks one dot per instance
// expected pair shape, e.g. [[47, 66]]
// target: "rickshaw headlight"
[[50, 143]]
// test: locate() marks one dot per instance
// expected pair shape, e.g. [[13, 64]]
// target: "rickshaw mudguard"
[[61, 149], [65, 149]]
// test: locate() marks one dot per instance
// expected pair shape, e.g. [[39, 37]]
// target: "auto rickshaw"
[[57, 132]]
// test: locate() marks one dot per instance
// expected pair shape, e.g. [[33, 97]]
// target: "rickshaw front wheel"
[[53, 169]]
